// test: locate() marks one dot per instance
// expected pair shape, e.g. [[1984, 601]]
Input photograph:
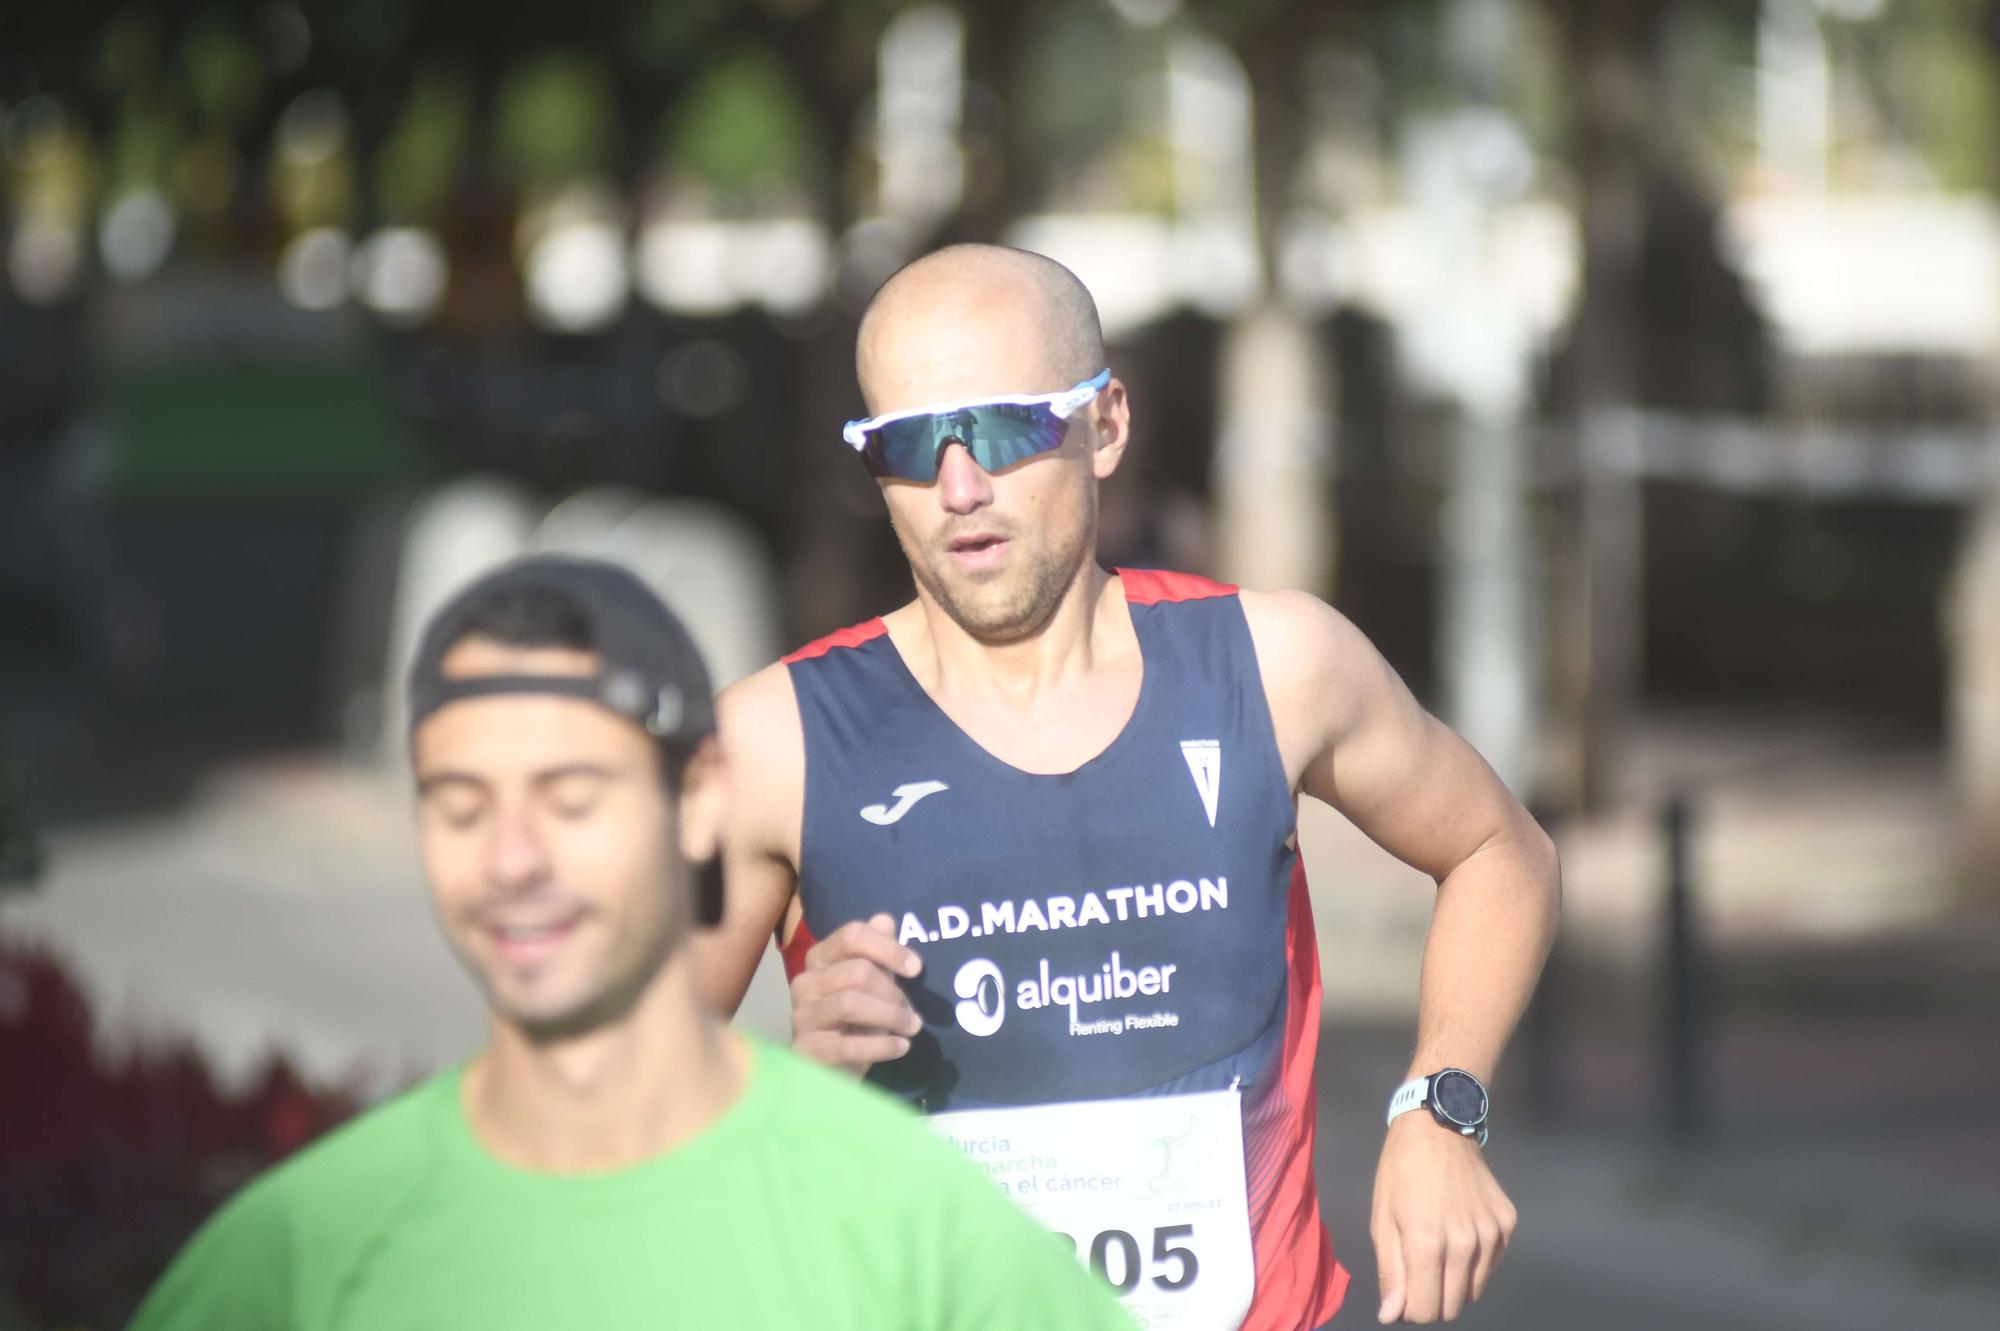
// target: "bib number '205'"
[[1166, 1252]]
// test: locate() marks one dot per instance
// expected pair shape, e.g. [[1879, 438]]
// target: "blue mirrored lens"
[[997, 435]]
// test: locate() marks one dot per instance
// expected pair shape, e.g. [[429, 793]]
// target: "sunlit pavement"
[[1825, 1226]]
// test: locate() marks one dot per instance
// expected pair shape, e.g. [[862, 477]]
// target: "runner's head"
[[995, 549], [567, 781]]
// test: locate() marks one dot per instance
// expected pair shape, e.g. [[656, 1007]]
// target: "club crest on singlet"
[[1204, 760]]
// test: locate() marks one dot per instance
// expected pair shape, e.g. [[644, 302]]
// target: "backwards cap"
[[650, 671]]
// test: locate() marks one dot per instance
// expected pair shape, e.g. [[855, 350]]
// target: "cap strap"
[[448, 689], [662, 712]]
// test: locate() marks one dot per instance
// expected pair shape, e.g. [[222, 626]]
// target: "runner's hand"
[[1440, 1224], [847, 1010]]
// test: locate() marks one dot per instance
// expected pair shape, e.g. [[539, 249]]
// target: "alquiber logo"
[[982, 996], [982, 993]]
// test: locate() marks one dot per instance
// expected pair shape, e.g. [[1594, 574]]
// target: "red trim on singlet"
[[1150, 586], [793, 954], [1299, 1283], [851, 636]]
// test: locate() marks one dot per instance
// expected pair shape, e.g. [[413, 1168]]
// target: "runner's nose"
[[962, 484], [515, 859]]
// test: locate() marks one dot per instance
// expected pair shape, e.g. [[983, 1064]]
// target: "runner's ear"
[[708, 892], [1111, 417]]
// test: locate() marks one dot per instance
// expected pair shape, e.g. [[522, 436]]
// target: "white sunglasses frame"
[[1063, 404]]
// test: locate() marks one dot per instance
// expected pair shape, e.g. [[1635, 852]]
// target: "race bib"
[[1149, 1191]]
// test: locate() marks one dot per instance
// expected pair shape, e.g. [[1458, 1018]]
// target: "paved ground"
[[1830, 1227], [1850, 1176]]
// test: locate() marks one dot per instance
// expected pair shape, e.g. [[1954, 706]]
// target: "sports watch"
[[1454, 1096]]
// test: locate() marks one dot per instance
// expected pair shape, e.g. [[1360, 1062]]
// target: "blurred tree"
[[1931, 87], [742, 129], [1275, 450], [1610, 52], [554, 120], [432, 134]]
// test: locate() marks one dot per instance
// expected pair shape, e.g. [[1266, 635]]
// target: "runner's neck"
[[611, 1097], [1090, 629]]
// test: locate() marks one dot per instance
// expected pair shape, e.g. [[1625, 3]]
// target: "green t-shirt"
[[812, 1202]]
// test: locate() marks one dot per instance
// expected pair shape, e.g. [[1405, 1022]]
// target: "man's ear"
[[1111, 416], [703, 805], [704, 793], [708, 893]]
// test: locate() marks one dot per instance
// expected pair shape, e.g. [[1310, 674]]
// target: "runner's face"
[[995, 551], [549, 840]]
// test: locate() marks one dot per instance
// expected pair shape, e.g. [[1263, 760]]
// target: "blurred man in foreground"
[[614, 1157], [1029, 841]]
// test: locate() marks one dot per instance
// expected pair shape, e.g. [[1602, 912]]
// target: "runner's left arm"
[[1352, 735]]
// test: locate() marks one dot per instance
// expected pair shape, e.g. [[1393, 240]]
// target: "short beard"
[[1021, 605]]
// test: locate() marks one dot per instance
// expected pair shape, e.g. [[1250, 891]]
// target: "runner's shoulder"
[[380, 1151], [1317, 666], [287, 1231], [1295, 628], [758, 718]]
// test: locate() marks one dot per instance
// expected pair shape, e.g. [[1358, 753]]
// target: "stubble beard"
[[611, 988], [1019, 601]]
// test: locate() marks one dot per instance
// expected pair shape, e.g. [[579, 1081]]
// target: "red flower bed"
[[111, 1162]]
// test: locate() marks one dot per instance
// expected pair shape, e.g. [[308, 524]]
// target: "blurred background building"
[[1626, 369]]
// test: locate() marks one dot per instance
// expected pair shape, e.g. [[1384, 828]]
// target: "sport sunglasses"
[[996, 431]]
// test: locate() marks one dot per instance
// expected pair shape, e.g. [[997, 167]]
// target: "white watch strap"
[[1410, 1095]]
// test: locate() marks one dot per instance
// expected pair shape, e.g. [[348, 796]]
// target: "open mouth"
[[978, 547]]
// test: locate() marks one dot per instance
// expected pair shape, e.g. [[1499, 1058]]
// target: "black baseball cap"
[[651, 673]]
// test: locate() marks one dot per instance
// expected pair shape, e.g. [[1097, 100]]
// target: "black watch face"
[[1459, 1097]]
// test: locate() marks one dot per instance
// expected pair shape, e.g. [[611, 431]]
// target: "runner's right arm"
[[847, 1010], [764, 760]]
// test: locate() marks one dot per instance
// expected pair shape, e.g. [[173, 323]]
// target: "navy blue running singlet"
[[1137, 926]]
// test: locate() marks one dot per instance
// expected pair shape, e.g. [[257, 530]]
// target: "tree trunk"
[[1972, 616], [1599, 662], [1274, 451]]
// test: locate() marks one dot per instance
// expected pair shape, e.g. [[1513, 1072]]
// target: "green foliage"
[[1938, 79], [667, 34], [1414, 76], [220, 69], [1075, 110], [1718, 59], [422, 152], [366, 29], [555, 119], [128, 51], [1238, 21], [741, 126], [144, 142]]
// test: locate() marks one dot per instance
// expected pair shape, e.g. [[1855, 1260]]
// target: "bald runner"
[[1029, 840]]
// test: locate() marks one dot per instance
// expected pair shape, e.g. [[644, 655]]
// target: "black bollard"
[[21, 857], [1682, 1018], [1543, 1042]]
